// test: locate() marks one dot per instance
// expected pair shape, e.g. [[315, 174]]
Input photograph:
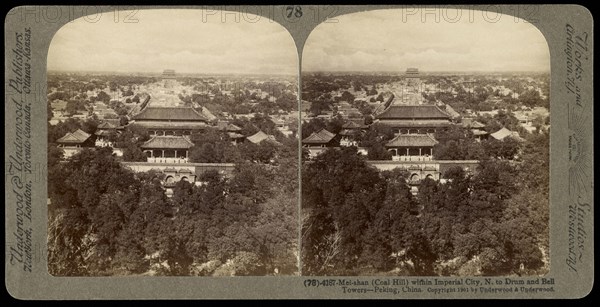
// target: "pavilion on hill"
[[167, 149], [412, 147]]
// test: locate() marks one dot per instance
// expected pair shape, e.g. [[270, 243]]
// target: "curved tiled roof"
[[350, 132], [354, 125], [225, 126], [77, 137], [504, 133], [257, 137], [412, 140], [413, 112], [106, 125], [170, 141], [471, 123], [170, 113], [261, 136], [320, 137], [233, 128], [412, 71], [416, 123], [170, 125], [102, 132]]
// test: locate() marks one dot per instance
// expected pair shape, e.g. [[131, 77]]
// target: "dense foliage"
[[357, 220], [106, 220]]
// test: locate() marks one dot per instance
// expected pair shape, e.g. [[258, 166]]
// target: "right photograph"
[[425, 145]]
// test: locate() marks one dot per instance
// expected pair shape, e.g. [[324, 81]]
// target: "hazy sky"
[[392, 40], [185, 40]]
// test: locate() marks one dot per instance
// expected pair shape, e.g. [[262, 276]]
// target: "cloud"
[[437, 40], [189, 41]]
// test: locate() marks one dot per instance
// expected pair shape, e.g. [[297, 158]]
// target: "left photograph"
[[172, 145]]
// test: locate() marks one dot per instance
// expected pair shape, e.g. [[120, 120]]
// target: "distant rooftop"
[[169, 73], [413, 112], [169, 114], [412, 71]]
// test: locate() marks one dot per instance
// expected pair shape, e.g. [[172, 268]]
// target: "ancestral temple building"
[[233, 132], [167, 149], [414, 119], [412, 147], [318, 142], [170, 120], [73, 142], [477, 128]]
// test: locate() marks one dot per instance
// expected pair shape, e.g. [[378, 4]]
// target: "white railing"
[[103, 144], [348, 143], [412, 158], [167, 160]]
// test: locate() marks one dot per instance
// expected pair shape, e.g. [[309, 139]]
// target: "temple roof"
[[451, 111], [471, 123], [503, 133], [412, 71], [258, 137], [412, 140], [233, 128], [225, 126], [170, 113], [413, 112], [106, 125], [416, 123], [353, 125], [261, 136], [350, 132], [77, 137], [102, 132], [175, 142], [171, 125], [320, 137]]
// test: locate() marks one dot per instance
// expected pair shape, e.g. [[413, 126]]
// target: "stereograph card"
[[299, 151]]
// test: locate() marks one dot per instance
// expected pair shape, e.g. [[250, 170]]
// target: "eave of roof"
[[174, 142], [413, 112], [171, 125], [412, 140], [320, 137], [170, 113]]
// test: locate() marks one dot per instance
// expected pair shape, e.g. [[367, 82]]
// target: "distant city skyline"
[[184, 40], [388, 41]]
